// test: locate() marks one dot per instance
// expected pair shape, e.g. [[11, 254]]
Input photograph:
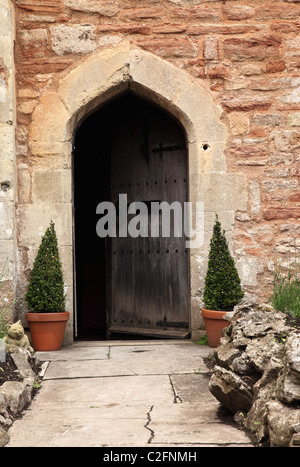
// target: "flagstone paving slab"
[[115, 394]]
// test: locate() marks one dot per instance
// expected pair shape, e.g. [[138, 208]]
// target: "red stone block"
[[252, 48], [275, 67], [295, 198], [281, 213]]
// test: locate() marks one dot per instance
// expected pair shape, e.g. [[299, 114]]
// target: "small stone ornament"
[[16, 337]]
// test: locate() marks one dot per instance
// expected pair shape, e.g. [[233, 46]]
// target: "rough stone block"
[[230, 390], [76, 39], [247, 268]]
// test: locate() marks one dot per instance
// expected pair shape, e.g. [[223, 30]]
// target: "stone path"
[[125, 393]]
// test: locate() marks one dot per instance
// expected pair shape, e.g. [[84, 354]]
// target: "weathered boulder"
[[288, 387], [282, 423], [230, 390], [16, 395], [258, 371], [4, 437]]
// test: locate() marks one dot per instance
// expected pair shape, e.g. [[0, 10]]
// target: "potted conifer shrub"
[[45, 296], [222, 289]]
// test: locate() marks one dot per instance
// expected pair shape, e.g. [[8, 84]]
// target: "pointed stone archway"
[[85, 88]]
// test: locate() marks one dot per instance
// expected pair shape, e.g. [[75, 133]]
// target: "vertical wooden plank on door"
[[149, 275]]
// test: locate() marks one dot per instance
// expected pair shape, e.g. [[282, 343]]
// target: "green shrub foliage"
[[222, 289], [45, 292]]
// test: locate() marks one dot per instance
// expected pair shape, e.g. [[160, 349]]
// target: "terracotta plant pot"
[[214, 325], [47, 329]]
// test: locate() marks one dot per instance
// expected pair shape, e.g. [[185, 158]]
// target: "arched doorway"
[[90, 85], [136, 283]]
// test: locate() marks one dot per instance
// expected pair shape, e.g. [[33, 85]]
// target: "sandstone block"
[[285, 26], [238, 13], [202, 12], [293, 43], [109, 40], [293, 119], [28, 93], [35, 219], [44, 66], [239, 123], [47, 6], [47, 131], [29, 36], [249, 150], [246, 102], [47, 186], [211, 48], [199, 29], [6, 174], [24, 186], [273, 185], [7, 141], [269, 120], [143, 13], [173, 47], [219, 191], [125, 28], [291, 97], [255, 197], [169, 29], [26, 107], [277, 11], [102, 7]]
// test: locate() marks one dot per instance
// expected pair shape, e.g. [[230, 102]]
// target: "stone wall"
[[7, 158], [245, 55], [257, 374]]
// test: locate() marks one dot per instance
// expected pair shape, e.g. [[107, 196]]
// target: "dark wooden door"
[[149, 281]]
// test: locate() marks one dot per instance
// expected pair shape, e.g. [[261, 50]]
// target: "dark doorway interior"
[[110, 149], [91, 176]]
